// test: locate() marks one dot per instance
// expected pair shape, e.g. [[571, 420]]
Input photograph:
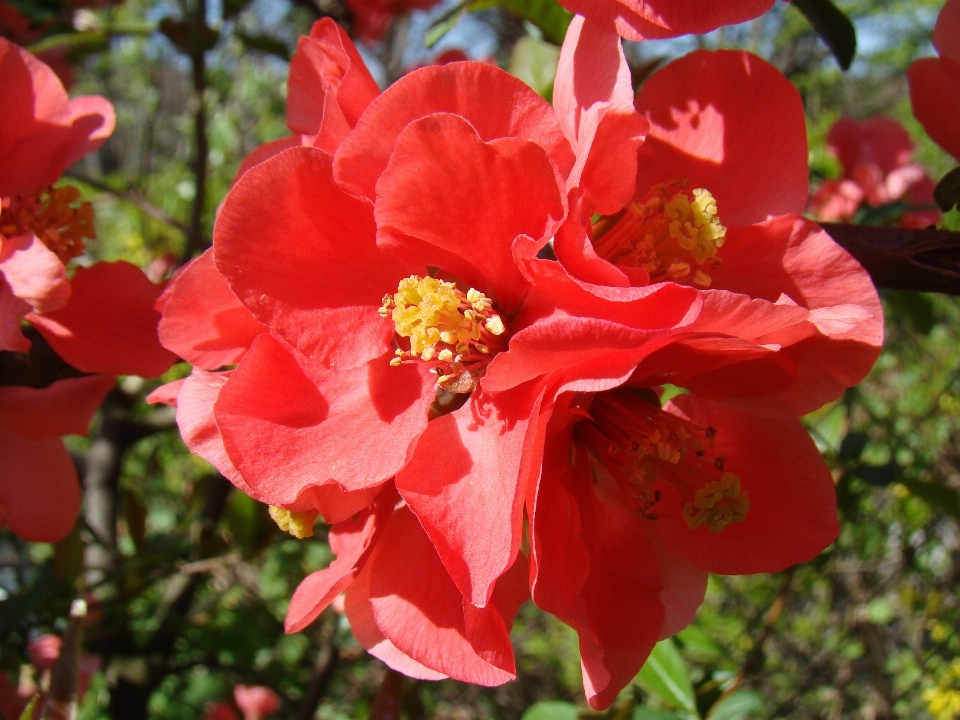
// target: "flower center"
[[672, 233], [634, 443], [458, 331], [55, 215], [298, 524]]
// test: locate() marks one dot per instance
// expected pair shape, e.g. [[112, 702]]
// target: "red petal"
[[684, 587], [793, 509], [935, 96], [470, 469], [731, 123], [265, 151], [109, 325], [290, 424], [618, 613], [203, 322], [879, 142], [496, 104], [63, 408], [656, 19], [593, 99], [12, 310], [416, 605], [329, 86], [33, 273], [42, 133], [349, 540], [815, 272], [946, 33], [301, 254], [40, 494], [448, 199]]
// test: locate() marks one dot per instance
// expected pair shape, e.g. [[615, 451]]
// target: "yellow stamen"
[[457, 330], [298, 524], [669, 233], [55, 215], [637, 445]]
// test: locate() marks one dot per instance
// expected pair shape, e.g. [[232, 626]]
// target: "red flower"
[[654, 19], [877, 169], [256, 701], [372, 18], [41, 229], [935, 82], [636, 502]]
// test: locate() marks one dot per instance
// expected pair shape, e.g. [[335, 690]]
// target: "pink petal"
[[470, 469], [729, 122], [33, 273], [99, 332], [496, 104], [203, 321], [40, 494], [289, 423], [63, 408], [450, 200]]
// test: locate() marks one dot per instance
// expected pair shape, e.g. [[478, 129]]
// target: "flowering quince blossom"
[[656, 19], [82, 336], [372, 18], [877, 169], [342, 339], [256, 702], [638, 500], [935, 83]]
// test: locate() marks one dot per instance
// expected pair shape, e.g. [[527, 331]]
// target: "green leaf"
[[548, 16], [27, 713], [535, 62], [832, 26], [665, 675], [951, 220], [940, 497], [736, 706], [649, 714], [947, 191], [444, 24], [552, 710]]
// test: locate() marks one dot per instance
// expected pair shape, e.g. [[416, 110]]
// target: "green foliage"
[[665, 675]]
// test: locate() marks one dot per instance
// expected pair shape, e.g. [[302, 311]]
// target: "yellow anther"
[[298, 524], [668, 233], [717, 504], [457, 330]]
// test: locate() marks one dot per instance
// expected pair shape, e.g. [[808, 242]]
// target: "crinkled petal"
[[40, 493], [302, 255], [289, 423], [448, 199], [729, 122], [109, 325], [42, 133], [33, 273], [63, 408], [470, 469], [350, 540], [496, 104], [593, 99], [203, 321], [418, 608], [329, 86], [793, 508]]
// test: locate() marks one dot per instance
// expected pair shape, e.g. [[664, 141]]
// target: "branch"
[[903, 258], [198, 25], [132, 196]]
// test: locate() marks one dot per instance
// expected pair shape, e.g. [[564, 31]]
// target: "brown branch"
[[327, 660], [904, 258], [196, 241], [132, 196]]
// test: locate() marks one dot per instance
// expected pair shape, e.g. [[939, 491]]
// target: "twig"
[[904, 258], [327, 660], [195, 238], [132, 196]]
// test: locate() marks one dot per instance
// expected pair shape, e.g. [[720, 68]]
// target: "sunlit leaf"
[[535, 62], [551, 710], [665, 675], [736, 706]]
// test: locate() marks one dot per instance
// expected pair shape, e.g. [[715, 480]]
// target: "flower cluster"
[[935, 82], [454, 320], [84, 325]]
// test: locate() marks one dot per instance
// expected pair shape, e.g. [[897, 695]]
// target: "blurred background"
[[187, 580]]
